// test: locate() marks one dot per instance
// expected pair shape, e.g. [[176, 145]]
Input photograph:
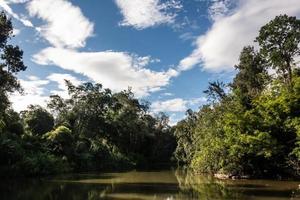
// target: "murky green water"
[[147, 185]]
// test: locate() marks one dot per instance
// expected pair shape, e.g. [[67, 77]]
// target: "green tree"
[[11, 62], [13, 122], [253, 129], [216, 91], [37, 120], [252, 76], [61, 141], [279, 44], [184, 133]]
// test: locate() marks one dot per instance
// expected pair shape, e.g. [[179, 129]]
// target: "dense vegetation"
[[252, 125], [94, 129]]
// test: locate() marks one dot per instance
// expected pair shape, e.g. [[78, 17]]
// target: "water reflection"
[[147, 185], [206, 188]]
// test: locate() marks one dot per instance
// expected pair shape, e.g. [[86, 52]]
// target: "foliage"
[[109, 129], [43, 164], [184, 135], [216, 91], [252, 76], [11, 62], [279, 44], [94, 129], [251, 127], [254, 127], [37, 120]]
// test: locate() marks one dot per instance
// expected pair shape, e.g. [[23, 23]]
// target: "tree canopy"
[[255, 129], [11, 62], [250, 126], [279, 44]]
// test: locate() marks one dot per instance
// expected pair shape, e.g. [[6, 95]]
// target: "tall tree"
[[11, 62], [251, 77], [38, 120], [216, 91], [279, 43]]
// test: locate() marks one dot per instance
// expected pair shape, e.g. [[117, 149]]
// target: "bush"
[[43, 164]]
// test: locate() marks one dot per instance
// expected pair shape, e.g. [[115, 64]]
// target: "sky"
[[166, 51]]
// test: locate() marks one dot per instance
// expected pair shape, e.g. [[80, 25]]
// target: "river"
[[152, 185]]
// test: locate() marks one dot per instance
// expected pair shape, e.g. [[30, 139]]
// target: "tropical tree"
[[215, 91], [252, 76], [37, 120], [279, 44], [11, 62]]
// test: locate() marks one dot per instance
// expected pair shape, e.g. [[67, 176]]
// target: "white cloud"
[[67, 29], [172, 105], [5, 6], [174, 118], [219, 8], [219, 48], [34, 93], [17, 1], [65, 26], [187, 36], [197, 101], [147, 13], [61, 84], [175, 105], [16, 31], [60, 79], [115, 70], [168, 94]]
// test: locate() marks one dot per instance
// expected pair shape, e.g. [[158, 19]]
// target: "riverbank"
[[230, 176]]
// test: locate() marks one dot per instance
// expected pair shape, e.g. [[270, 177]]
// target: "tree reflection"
[[204, 187], [146, 185], [207, 187]]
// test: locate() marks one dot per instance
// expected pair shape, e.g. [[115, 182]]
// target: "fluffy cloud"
[[59, 79], [62, 18], [5, 6], [172, 105], [175, 105], [65, 26], [218, 9], [219, 48], [168, 94], [34, 93], [147, 13], [115, 70], [17, 1], [16, 31], [175, 118]]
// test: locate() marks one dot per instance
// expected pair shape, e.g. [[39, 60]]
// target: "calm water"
[[167, 185]]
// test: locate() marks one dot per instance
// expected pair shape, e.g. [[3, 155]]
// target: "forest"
[[250, 126]]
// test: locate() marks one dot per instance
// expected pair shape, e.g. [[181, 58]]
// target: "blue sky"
[[166, 50]]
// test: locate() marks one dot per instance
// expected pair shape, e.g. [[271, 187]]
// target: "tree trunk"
[[290, 75], [289, 69]]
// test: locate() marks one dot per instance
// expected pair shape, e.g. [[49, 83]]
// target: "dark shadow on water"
[[269, 193]]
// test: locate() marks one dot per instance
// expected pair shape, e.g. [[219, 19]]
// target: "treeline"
[[252, 125], [94, 129]]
